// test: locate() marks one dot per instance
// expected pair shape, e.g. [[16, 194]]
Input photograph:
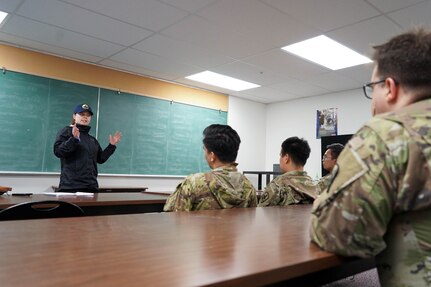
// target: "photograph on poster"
[[326, 123]]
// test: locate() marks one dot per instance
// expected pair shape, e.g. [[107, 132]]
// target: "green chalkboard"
[[22, 121], [159, 137]]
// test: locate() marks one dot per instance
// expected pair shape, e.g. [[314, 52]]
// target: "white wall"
[[249, 120], [298, 118]]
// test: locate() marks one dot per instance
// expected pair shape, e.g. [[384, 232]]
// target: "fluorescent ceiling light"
[[2, 16], [222, 81], [326, 52]]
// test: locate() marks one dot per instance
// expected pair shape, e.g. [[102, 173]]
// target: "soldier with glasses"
[[379, 203]]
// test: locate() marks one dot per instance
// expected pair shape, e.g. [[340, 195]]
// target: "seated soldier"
[[294, 186], [329, 160], [379, 202], [223, 186]]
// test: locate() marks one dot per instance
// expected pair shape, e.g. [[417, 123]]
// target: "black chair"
[[41, 209]]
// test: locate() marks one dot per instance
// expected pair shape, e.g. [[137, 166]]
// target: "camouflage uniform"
[[324, 182], [293, 187], [223, 187], [380, 200]]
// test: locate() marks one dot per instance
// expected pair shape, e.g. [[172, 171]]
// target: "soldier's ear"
[[213, 157], [393, 87]]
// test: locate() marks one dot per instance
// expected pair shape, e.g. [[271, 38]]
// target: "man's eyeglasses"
[[368, 88], [326, 157]]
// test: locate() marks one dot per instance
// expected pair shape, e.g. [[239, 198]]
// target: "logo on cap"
[[81, 108]]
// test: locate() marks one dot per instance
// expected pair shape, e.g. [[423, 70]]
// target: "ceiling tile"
[[421, 12], [299, 88], [189, 5], [326, 14], [268, 95], [65, 16], [47, 49], [334, 81], [149, 14], [362, 36], [9, 5], [136, 70], [250, 73], [154, 63], [255, 19], [195, 30], [285, 64], [392, 5], [361, 73], [51, 35], [252, 98], [181, 51]]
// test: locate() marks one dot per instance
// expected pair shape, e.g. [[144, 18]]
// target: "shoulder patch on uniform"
[[356, 143], [350, 166]]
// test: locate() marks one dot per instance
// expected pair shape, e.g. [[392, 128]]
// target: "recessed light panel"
[[327, 52], [2, 16], [222, 81]]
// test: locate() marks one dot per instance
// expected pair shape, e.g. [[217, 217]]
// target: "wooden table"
[[99, 203], [236, 247]]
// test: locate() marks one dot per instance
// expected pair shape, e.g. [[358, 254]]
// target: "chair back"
[[41, 209]]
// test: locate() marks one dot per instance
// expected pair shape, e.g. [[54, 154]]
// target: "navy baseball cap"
[[82, 108]]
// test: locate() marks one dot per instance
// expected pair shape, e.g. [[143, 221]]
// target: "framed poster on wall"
[[326, 123]]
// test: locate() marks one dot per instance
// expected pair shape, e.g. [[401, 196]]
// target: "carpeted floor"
[[368, 278]]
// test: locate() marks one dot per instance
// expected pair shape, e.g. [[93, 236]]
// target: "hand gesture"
[[114, 139], [75, 132]]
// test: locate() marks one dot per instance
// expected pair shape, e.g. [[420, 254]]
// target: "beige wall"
[[30, 62]]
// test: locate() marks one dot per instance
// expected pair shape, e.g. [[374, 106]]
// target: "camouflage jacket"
[[380, 200], [293, 187], [324, 182], [223, 187]]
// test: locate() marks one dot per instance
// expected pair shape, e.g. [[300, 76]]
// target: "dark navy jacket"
[[79, 158]]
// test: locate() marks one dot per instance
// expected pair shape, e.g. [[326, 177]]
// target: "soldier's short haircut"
[[407, 59], [335, 149], [223, 141], [298, 150]]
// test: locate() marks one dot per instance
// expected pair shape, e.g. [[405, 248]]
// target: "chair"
[[41, 209]]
